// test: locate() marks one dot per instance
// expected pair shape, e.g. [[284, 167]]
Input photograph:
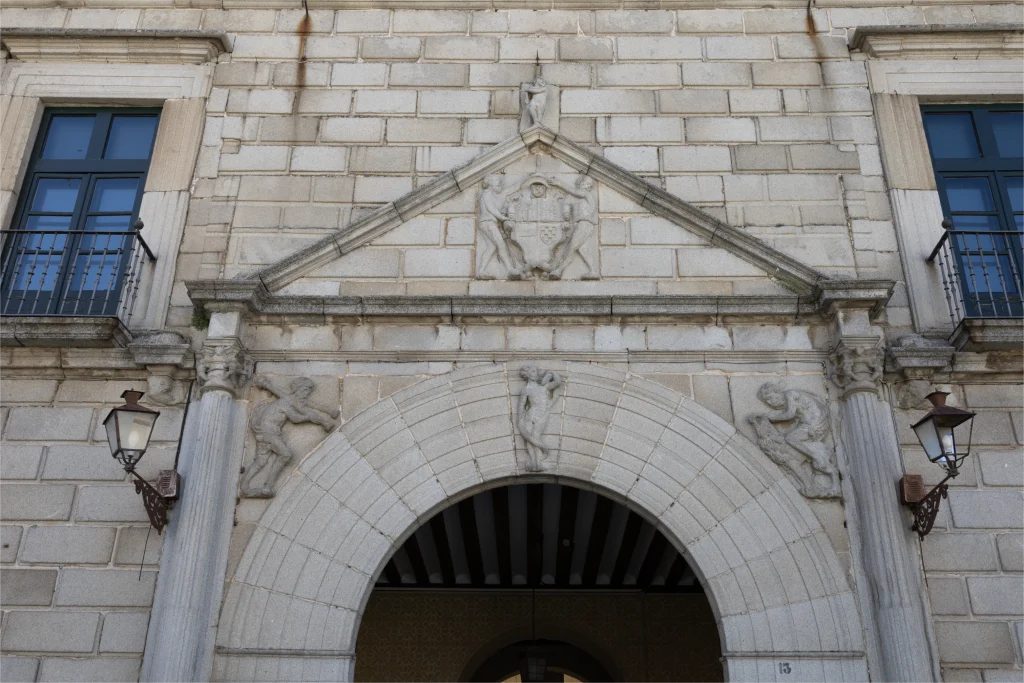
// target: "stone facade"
[[757, 202]]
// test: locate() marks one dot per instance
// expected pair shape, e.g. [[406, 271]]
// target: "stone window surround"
[[181, 89], [899, 85]]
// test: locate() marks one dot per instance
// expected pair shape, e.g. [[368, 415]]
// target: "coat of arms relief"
[[536, 228]]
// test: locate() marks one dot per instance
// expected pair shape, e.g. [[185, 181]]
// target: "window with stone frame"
[[978, 156], [71, 245]]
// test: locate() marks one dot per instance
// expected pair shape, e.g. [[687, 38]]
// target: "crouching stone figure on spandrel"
[[267, 424]]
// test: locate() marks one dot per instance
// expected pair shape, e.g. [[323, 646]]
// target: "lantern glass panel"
[[928, 435]]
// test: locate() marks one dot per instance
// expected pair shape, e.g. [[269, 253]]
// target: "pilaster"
[[888, 555], [183, 627]]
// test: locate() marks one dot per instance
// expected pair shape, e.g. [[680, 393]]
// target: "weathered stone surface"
[[27, 587], [67, 545], [124, 632], [105, 587], [56, 631], [974, 642], [20, 461], [34, 502], [48, 424], [98, 669]]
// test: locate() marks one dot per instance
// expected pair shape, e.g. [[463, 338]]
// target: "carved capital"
[[857, 368], [223, 366]]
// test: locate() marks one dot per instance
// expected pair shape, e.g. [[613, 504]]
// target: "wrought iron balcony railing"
[[981, 273], [72, 272]]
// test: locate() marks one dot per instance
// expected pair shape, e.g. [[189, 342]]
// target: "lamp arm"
[[154, 502], [927, 509]]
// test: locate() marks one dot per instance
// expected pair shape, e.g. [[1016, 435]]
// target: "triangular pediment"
[[716, 241]]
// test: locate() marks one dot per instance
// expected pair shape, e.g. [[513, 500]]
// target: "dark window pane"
[[1015, 188], [969, 194], [68, 137], [114, 195], [976, 223], [107, 223], [131, 137], [1008, 127], [951, 136], [56, 195]]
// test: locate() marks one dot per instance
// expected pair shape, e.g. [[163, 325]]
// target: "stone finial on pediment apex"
[[538, 104], [538, 227]]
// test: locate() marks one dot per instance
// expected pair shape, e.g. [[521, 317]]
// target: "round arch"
[[780, 596]]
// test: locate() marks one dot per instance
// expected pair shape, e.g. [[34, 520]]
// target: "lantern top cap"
[[948, 415], [131, 396], [131, 403]]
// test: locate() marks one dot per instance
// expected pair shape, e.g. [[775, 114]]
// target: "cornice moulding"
[[115, 45], [474, 4], [940, 41], [254, 298]]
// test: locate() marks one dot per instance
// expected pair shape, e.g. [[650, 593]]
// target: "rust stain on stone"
[[304, 28]]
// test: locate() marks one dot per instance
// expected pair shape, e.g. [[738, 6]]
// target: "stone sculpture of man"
[[801, 449], [534, 410], [267, 423], [491, 216], [535, 100], [582, 226]]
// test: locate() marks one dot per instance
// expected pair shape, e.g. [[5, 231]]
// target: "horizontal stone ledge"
[[254, 297], [268, 652], [137, 46], [937, 41], [797, 654], [417, 356], [66, 331], [455, 5]]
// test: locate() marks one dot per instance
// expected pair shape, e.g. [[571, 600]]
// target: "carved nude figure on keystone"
[[534, 410], [267, 424]]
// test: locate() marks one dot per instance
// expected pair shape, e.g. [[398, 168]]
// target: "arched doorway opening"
[[296, 602], [542, 581]]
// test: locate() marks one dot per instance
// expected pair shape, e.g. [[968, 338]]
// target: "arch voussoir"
[[773, 578]]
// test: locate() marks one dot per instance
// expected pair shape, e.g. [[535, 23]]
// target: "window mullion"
[[100, 131]]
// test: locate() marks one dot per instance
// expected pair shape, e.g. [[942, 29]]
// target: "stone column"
[[887, 547], [182, 630]]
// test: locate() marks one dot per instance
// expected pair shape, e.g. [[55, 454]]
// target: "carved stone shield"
[[539, 213]]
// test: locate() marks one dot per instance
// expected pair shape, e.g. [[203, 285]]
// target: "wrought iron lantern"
[[937, 433], [129, 428]]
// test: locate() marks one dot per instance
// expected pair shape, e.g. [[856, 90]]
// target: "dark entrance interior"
[[538, 582]]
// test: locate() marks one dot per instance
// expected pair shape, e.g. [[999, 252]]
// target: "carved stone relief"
[[857, 368], [536, 228], [801, 449], [538, 104], [222, 367], [267, 424], [534, 410], [166, 390]]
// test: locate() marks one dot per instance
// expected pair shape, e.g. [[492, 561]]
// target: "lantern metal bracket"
[[926, 507], [158, 501]]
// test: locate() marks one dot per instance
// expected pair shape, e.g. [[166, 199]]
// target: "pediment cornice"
[[252, 297], [788, 271]]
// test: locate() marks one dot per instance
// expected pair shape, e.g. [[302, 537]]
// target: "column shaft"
[[889, 559], [179, 646]]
